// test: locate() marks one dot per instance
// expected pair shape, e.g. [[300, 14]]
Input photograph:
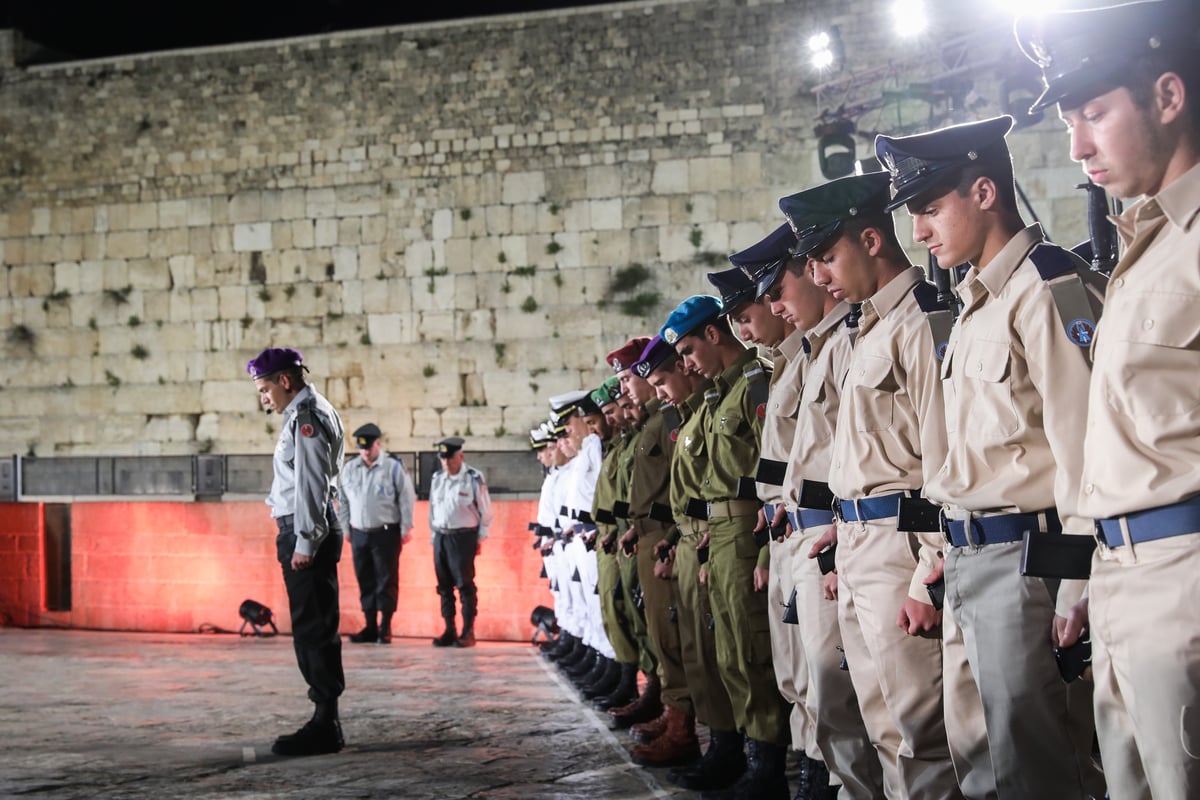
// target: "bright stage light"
[[1021, 8], [908, 17], [825, 50], [818, 42]]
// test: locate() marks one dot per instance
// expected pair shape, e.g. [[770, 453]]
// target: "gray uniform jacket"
[[378, 495], [307, 459]]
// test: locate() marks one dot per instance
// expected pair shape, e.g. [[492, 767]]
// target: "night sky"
[[76, 29]]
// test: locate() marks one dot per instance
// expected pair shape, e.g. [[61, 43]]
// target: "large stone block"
[[127, 244], [523, 187], [252, 237]]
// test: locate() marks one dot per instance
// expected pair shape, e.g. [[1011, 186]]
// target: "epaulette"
[[476, 475], [712, 395], [308, 422], [937, 314], [671, 418], [1060, 270], [758, 376]]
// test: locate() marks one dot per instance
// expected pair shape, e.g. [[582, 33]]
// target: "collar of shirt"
[[883, 301], [653, 406], [696, 400], [1180, 201], [734, 371], [792, 346], [995, 276], [819, 335], [294, 407]]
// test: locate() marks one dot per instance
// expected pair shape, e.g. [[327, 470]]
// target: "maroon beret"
[[623, 357], [272, 360]]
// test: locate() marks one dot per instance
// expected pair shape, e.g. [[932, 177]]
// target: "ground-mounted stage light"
[[257, 616]]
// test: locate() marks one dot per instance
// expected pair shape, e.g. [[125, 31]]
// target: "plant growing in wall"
[[139, 352], [629, 292]]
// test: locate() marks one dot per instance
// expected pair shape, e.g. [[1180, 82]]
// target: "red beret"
[[624, 356]]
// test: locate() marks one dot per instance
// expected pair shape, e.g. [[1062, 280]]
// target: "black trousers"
[[454, 563], [377, 566], [313, 601]]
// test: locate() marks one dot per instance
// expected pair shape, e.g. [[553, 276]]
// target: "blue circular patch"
[[941, 350], [1081, 331]]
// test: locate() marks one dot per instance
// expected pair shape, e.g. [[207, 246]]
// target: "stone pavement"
[[87, 714]]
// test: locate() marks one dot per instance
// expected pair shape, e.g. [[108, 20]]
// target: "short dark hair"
[[880, 220], [1145, 70]]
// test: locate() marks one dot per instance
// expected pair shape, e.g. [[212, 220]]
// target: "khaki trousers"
[[696, 639], [787, 654], [662, 617], [841, 737], [743, 631], [1145, 628], [897, 677]]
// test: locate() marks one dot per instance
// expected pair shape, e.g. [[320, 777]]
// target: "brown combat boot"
[[646, 708], [646, 732], [676, 745]]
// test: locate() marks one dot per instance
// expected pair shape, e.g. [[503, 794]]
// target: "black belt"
[[1000, 529], [391, 527], [1163, 522], [453, 531]]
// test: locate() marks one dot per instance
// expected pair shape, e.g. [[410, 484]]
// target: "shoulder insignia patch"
[[307, 430], [675, 434], [1081, 331], [761, 411]]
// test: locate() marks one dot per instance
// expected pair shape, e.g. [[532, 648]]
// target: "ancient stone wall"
[[451, 220]]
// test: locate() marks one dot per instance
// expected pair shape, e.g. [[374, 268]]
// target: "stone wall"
[[440, 216]]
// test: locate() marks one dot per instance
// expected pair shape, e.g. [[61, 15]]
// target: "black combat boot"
[[607, 681], [369, 633], [764, 778], [592, 675], [448, 637], [624, 693], [720, 766], [385, 628], [467, 639], [320, 735]]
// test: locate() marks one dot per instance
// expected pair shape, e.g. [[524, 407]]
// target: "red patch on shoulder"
[[307, 430], [675, 434], [761, 410]]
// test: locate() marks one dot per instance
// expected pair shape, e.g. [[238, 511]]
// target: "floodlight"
[[908, 17], [825, 50], [257, 616]]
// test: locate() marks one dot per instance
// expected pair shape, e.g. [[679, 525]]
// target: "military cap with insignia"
[[816, 215], [623, 357], [656, 352], [447, 447], [274, 359], [366, 435], [926, 161], [735, 288], [587, 407], [1086, 53], [607, 392], [693, 313], [764, 261], [562, 405], [539, 437]]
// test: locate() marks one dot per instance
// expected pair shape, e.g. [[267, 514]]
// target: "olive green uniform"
[[697, 640], [631, 583], [733, 425], [612, 612]]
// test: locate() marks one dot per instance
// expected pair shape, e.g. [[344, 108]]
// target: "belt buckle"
[[1100, 537], [944, 524], [837, 510]]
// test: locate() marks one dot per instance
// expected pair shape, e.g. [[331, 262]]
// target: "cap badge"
[[972, 155], [670, 336], [616, 365]]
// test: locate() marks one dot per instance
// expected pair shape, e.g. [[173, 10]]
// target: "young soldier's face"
[[273, 392], [631, 411], [671, 384], [700, 353], [1121, 147], [845, 270], [757, 325], [950, 226], [797, 300], [636, 387], [613, 415], [596, 424]]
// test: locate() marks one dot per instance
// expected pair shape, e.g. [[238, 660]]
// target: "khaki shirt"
[[891, 427], [1142, 447], [1012, 381], [651, 479], [829, 348], [779, 425], [690, 460]]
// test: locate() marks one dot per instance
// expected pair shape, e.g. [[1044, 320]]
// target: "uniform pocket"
[[874, 388], [1160, 334], [985, 375]]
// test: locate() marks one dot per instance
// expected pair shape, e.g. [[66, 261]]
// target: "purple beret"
[[656, 352], [272, 360]]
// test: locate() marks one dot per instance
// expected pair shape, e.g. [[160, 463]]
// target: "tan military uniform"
[[1011, 379], [732, 431], [890, 425], [627, 567], [1141, 453], [651, 483], [841, 737], [779, 430], [696, 638]]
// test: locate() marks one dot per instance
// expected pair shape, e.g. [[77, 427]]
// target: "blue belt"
[[869, 508], [1155, 523], [769, 510], [1001, 529], [809, 518]]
